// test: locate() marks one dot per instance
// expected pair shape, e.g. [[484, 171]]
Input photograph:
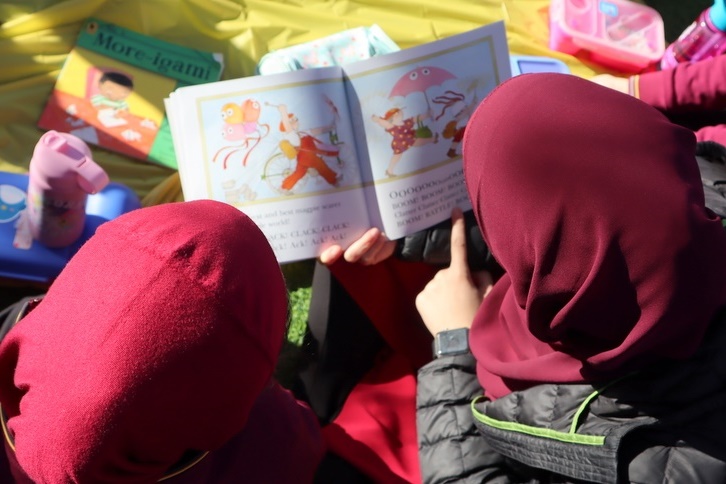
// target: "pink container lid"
[[618, 33], [67, 160]]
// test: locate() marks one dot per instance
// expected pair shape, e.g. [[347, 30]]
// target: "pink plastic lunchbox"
[[620, 34]]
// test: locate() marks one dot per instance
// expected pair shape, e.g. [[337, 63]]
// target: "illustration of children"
[[242, 124], [113, 90], [454, 130], [235, 194], [246, 114], [306, 149], [406, 133]]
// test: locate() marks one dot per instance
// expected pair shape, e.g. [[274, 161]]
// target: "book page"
[[281, 149], [412, 107]]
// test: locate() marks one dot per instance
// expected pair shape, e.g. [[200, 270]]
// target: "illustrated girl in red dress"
[[406, 133]]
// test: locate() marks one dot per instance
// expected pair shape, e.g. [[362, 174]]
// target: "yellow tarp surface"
[[36, 36]]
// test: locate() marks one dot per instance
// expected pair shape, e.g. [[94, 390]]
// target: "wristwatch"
[[451, 342]]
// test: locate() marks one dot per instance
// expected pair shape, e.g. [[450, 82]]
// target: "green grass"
[[299, 308], [298, 278], [295, 351]]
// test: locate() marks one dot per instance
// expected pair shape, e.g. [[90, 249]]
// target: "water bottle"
[[704, 38], [62, 174]]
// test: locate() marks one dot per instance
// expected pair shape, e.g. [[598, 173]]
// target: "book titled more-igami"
[[111, 90]]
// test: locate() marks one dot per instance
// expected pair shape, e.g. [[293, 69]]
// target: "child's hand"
[[372, 248], [621, 84], [451, 299]]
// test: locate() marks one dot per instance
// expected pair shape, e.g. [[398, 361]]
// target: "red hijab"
[[155, 340], [592, 202]]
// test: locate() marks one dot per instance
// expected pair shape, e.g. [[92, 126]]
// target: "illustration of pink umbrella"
[[420, 79]]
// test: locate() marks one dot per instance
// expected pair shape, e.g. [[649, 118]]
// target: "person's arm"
[[285, 118], [430, 246], [715, 134], [452, 298], [450, 447], [322, 130], [689, 87], [385, 124]]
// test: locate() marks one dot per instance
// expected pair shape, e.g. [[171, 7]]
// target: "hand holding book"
[[371, 248], [330, 152]]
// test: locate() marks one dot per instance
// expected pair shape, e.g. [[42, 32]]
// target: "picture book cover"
[[111, 89], [317, 156]]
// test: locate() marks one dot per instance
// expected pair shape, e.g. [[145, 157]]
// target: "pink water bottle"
[[62, 174], [704, 38]]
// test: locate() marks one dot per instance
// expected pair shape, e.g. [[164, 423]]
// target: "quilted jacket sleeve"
[[450, 447]]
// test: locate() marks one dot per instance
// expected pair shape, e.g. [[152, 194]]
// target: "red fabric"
[[386, 293], [715, 133], [592, 202], [157, 338], [281, 443], [695, 86], [689, 87], [376, 429]]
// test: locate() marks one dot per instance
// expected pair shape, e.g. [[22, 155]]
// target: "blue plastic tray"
[[528, 64], [40, 263]]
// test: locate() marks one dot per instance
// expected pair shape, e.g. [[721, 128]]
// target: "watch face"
[[452, 342]]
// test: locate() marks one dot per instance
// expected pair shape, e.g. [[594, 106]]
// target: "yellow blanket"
[[36, 36]]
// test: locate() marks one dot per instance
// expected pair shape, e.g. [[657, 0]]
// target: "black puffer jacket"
[[665, 424], [711, 159], [432, 246]]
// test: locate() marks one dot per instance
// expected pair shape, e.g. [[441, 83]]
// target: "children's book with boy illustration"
[[111, 89], [317, 156]]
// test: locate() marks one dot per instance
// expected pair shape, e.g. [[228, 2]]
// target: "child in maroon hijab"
[[599, 352], [151, 358]]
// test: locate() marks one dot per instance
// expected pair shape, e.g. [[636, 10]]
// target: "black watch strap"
[[451, 342]]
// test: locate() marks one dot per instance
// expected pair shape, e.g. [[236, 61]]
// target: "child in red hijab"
[[598, 355], [151, 359]]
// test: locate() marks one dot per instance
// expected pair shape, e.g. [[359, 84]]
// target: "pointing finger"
[[458, 241]]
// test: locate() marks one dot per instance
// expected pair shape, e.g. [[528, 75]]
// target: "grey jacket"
[[665, 424]]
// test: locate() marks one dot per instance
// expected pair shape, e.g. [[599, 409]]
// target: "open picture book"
[[317, 156]]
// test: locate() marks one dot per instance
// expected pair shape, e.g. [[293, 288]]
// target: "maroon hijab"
[[592, 202], [155, 340]]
